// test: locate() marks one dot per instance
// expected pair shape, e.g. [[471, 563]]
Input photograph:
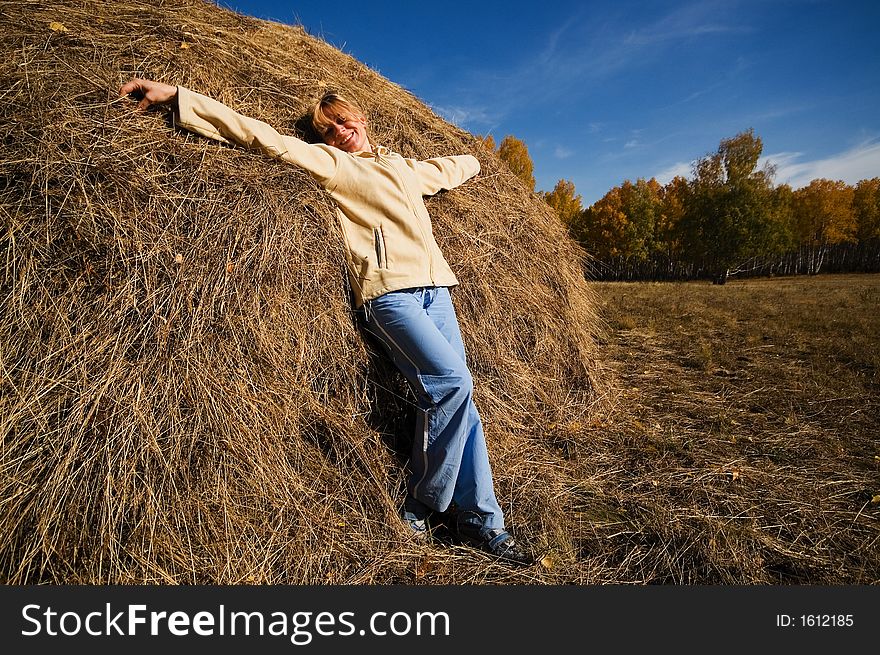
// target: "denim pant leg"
[[450, 461]]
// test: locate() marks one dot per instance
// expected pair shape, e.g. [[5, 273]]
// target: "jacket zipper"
[[379, 243], [412, 206]]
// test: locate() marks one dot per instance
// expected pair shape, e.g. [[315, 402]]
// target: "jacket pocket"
[[379, 243], [359, 266]]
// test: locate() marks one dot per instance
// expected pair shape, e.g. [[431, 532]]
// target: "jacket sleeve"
[[444, 172], [213, 119]]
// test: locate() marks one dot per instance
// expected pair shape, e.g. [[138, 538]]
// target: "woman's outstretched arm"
[[211, 118], [444, 172]]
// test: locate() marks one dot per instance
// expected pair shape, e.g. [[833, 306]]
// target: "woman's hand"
[[151, 92]]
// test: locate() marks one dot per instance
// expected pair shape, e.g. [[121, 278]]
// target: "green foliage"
[[781, 237], [729, 214], [622, 223]]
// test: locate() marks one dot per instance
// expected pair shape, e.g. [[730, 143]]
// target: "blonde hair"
[[331, 108]]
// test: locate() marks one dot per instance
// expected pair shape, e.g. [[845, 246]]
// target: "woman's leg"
[[450, 461], [474, 490]]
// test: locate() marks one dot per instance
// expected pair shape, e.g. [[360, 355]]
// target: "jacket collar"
[[377, 152]]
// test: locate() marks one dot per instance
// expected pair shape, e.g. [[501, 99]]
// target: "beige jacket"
[[385, 224]]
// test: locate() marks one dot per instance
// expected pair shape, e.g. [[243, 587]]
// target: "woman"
[[401, 283]]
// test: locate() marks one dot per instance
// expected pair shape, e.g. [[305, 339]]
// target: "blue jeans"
[[449, 463]]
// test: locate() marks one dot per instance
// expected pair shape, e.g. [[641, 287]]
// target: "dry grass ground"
[[743, 448]]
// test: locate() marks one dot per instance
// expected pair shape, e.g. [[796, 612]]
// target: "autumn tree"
[[866, 207], [488, 141], [781, 236], [516, 155], [564, 201], [823, 216], [601, 229], [824, 213], [727, 219], [674, 197], [641, 204], [620, 225]]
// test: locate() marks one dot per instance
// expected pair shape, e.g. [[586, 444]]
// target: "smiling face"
[[341, 124], [348, 134]]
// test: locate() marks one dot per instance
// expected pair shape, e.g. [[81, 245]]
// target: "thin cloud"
[[561, 152], [691, 21], [679, 169], [850, 166], [858, 163], [649, 38], [583, 51], [462, 116]]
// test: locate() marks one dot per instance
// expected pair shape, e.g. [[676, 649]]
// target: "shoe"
[[498, 543], [417, 529], [414, 515]]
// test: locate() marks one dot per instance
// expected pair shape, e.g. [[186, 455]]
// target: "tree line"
[[728, 219]]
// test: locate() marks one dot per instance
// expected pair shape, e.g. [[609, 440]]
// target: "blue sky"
[[611, 90]]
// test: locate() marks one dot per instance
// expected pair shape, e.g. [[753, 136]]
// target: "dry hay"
[[185, 395]]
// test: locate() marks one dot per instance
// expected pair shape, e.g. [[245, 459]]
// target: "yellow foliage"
[[564, 201], [516, 155], [824, 212]]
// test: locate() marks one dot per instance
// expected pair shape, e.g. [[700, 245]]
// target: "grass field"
[[743, 447]]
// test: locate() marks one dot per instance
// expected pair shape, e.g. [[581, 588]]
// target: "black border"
[[482, 618]]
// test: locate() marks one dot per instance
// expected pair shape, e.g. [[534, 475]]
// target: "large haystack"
[[185, 395]]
